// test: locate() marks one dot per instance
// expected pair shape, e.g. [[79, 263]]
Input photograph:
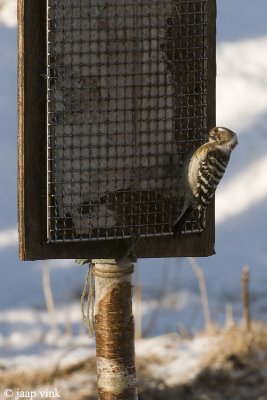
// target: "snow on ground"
[[218, 365], [241, 69], [9, 238], [8, 13], [181, 357], [169, 287]]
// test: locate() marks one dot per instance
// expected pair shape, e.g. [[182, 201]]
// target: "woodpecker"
[[203, 170]]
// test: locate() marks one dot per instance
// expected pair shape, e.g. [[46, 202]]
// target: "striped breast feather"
[[210, 172]]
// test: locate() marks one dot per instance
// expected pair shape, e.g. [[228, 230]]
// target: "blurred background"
[[167, 297]]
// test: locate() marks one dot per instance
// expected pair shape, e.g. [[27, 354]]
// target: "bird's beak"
[[235, 143]]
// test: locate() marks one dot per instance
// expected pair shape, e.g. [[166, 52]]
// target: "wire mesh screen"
[[127, 85]]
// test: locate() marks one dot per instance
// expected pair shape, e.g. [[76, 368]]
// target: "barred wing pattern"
[[211, 170]]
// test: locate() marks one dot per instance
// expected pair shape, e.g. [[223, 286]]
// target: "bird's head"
[[224, 137]]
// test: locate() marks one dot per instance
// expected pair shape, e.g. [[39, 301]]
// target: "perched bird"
[[202, 173]]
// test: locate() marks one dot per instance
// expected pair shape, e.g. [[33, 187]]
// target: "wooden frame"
[[32, 157]]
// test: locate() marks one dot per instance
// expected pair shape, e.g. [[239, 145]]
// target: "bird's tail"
[[179, 223]]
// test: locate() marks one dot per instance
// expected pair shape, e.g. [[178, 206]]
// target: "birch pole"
[[114, 330]]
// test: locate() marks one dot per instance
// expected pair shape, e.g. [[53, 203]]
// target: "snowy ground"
[[221, 364], [169, 287]]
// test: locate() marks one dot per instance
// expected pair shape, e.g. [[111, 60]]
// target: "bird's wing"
[[211, 169]]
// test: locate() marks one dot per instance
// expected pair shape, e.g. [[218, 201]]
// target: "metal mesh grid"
[[127, 83]]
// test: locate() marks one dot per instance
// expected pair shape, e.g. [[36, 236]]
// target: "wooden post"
[[245, 297], [114, 329]]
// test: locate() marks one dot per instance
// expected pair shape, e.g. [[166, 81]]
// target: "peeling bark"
[[114, 326]]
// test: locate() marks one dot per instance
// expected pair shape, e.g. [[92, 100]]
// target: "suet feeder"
[[113, 94]]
